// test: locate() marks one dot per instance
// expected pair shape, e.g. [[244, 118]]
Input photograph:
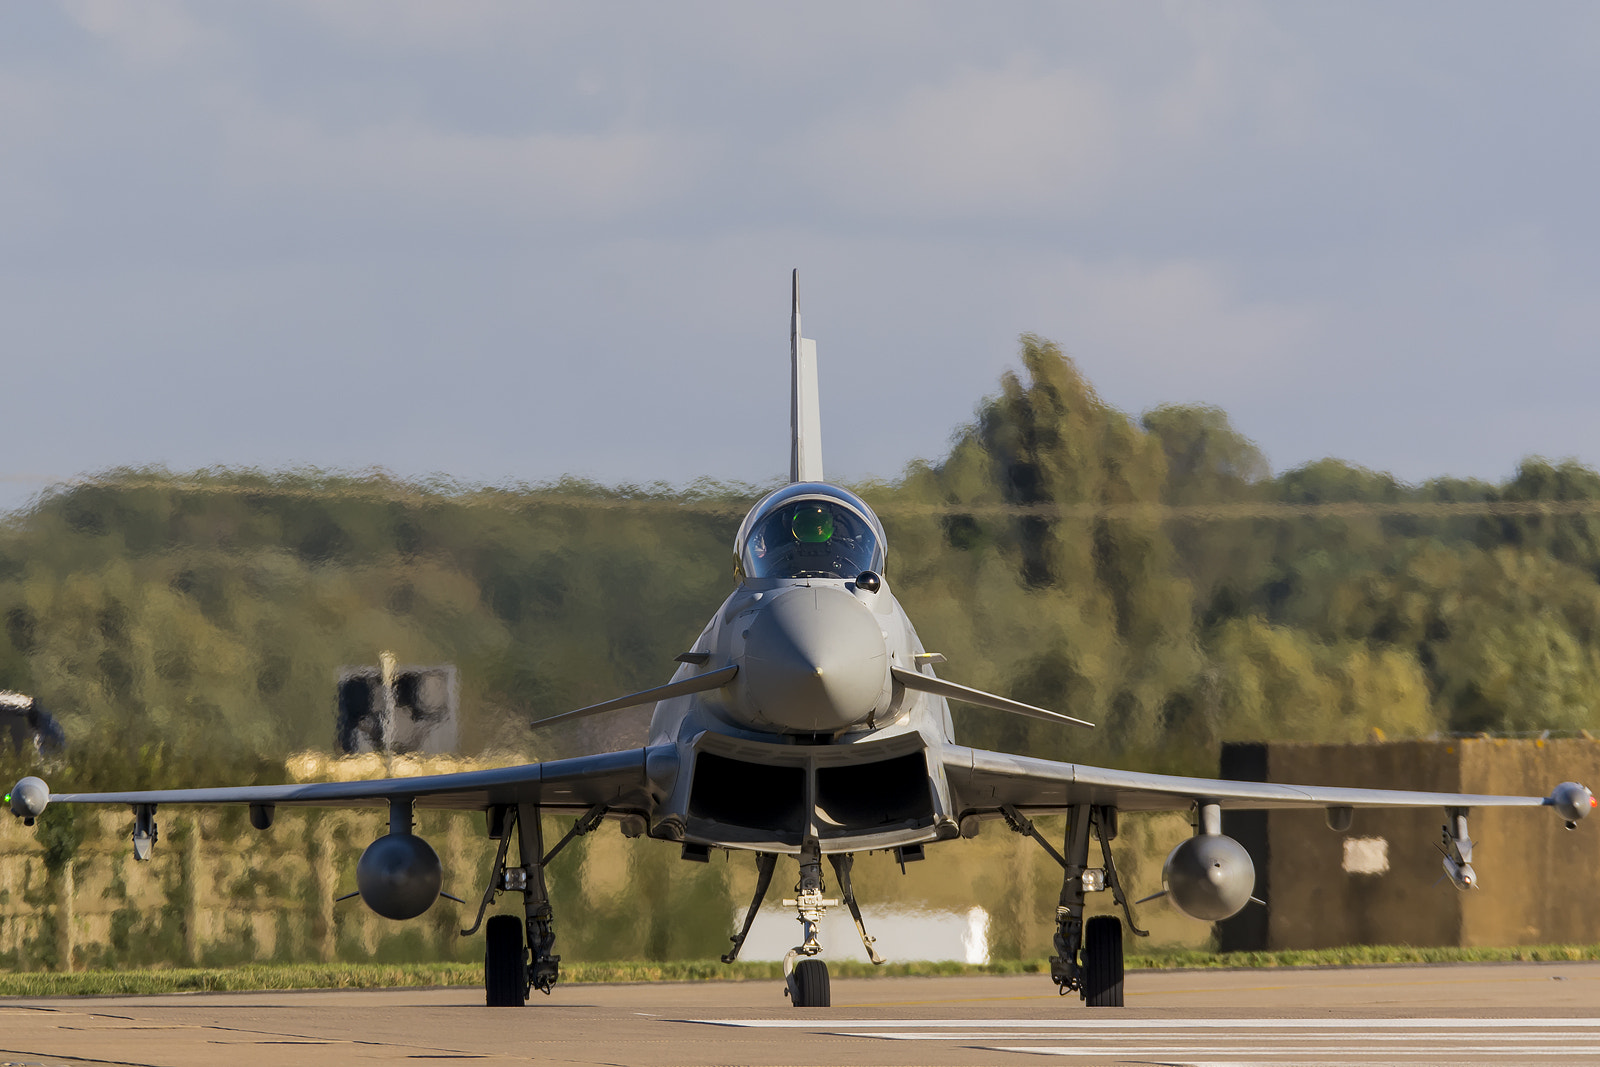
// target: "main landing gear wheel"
[[1102, 962], [808, 986], [505, 965]]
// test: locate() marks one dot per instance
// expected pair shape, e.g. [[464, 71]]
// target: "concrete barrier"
[[1380, 881]]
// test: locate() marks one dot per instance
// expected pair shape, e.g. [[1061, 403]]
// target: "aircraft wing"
[[983, 781], [622, 780]]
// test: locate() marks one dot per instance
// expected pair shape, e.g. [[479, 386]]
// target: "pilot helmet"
[[812, 523]]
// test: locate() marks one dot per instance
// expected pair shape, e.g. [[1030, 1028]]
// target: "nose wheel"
[[808, 984]]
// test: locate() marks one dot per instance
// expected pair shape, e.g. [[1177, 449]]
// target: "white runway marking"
[[1543, 1037], [1517, 1052], [1164, 1024], [1348, 1042]]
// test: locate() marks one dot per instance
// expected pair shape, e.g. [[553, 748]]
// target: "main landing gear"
[[511, 971], [1089, 958], [505, 965], [805, 976]]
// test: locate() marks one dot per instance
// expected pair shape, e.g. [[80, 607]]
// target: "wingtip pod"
[[28, 799], [1572, 802]]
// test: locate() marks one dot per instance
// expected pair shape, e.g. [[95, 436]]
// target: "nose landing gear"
[[807, 979]]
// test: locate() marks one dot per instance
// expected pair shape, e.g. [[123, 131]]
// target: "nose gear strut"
[[806, 977], [809, 903]]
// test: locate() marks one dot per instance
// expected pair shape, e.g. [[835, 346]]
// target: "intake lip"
[[814, 661]]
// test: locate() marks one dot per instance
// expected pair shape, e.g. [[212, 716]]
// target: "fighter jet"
[[806, 723]]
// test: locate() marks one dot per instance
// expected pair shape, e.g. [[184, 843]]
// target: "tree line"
[[1151, 574]]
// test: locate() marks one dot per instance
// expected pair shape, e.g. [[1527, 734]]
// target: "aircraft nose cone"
[[815, 661]]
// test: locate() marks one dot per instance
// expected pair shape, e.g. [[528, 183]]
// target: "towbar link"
[[1021, 824], [580, 826]]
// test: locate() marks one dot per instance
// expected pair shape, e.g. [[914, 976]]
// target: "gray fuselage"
[[813, 737]]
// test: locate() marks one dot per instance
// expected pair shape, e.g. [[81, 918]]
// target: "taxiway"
[[1456, 1015]]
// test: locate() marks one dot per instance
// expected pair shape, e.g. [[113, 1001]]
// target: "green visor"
[[813, 524]]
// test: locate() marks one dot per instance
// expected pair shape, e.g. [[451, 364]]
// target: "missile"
[[1461, 874], [1457, 849]]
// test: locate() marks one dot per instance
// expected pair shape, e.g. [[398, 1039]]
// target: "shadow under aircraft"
[[807, 723]]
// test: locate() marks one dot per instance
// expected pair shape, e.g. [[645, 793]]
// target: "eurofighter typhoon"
[[806, 724]]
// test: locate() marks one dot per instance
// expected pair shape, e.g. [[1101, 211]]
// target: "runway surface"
[[1458, 1014]]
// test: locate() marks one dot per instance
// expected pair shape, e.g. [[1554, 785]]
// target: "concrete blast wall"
[[1380, 882]]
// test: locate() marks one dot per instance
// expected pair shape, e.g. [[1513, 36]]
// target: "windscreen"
[[811, 538]]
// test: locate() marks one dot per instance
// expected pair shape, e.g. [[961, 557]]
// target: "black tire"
[[505, 964], [811, 985], [1102, 962]]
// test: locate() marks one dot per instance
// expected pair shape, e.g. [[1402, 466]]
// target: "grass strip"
[[1359, 956], [269, 976]]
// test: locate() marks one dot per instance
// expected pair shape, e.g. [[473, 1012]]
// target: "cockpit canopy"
[[809, 530]]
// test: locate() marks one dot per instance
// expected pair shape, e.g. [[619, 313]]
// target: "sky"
[[511, 241]]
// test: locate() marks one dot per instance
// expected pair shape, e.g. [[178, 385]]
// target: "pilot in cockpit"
[[811, 539]]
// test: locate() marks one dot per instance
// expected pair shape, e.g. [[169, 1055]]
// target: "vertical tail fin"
[[805, 414]]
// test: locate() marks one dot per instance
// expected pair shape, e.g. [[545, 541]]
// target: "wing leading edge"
[[981, 780], [623, 781]]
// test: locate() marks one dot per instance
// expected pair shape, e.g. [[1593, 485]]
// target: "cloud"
[[1276, 209], [1175, 326], [1003, 142], [1060, 137], [545, 176], [149, 33], [425, 23], [29, 103]]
